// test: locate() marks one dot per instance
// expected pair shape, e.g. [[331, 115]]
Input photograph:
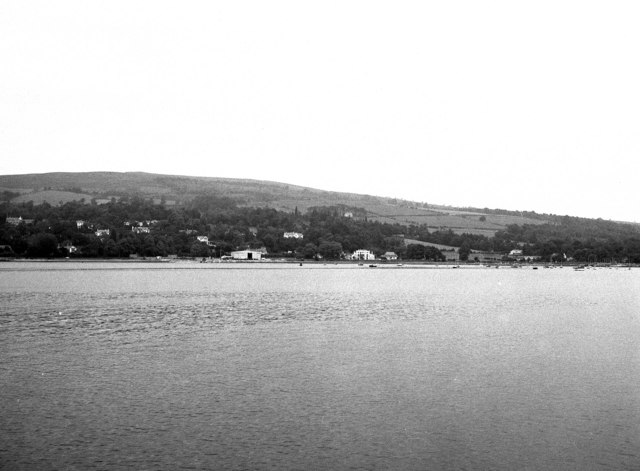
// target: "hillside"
[[58, 188], [123, 214]]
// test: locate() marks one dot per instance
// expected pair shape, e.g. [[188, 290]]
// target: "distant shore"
[[354, 263]]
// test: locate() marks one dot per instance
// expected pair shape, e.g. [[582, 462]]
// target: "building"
[[246, 255], [389, 256], [293, 235], [69, 247], [205, 240], [79, 223], [103, 233], [141, 229], [362, 254], [515, 253], [17, 221]]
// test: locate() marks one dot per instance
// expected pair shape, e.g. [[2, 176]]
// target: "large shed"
[[246, 255]]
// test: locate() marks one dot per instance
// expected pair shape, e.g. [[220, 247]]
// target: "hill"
[[58, 188]]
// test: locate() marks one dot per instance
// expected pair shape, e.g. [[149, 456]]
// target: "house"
[[140, 229], [253, 231], [515, 253], [362, 254], [389, 256], [246, 255], [80, 223], [69, 247], [348, 214], [205, 240], [293, 235], [17, 221], [103, 233], [5, 250]]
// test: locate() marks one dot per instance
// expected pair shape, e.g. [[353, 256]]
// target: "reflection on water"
[[157, 367]]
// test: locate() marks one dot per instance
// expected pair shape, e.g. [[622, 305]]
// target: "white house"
[[17, 221], [140, 229], [362, 254], [103, 232], [246, 255], [293, 235], [69, 247], [205, 240], [515, 253]]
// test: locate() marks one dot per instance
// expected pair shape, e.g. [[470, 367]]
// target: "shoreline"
[[212, 263]]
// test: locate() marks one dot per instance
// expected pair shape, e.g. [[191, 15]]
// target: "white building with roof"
[[363, 254], [293, 235], [247, 255]]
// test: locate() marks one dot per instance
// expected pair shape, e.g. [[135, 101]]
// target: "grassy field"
[[53, 197]]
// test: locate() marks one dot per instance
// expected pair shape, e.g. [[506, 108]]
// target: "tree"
[[110, 248], [42, 245], [330, 250], [128, 245], [415, 252], [308, 251], [148, 246], [198, 249], [432, 253], [464, 251]]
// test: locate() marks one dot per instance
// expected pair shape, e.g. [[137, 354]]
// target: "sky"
[[499, 104]]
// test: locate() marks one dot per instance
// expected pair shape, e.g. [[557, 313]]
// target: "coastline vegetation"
[[150, 228]]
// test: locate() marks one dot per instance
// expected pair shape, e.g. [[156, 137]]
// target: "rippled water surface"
[[189, 366]]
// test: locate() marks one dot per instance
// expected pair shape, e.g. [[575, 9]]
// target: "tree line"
[[327, 232]]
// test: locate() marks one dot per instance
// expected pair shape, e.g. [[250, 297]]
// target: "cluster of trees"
[[584, 240], [327, 233]]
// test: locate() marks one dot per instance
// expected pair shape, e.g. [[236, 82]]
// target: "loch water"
[[171, 366]]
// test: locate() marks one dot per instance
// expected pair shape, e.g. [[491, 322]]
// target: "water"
[[190, 366]]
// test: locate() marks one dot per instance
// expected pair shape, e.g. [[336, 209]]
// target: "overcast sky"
[[514, 105]]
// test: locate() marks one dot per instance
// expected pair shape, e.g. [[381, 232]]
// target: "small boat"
[[373, 266]]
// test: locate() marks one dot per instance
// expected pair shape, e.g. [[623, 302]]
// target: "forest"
[[138, 226]]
